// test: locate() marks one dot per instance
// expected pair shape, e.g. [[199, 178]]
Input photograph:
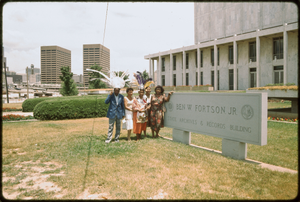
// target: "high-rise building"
[[52, 59], [236, 46], [95, 54], [33, 70]]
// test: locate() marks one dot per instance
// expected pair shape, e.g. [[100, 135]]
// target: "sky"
[[132, 31]]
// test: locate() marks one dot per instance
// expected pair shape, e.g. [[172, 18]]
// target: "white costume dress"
[[129, 115], [147, 99]]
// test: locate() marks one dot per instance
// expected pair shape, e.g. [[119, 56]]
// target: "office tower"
[[95, 53], [52, 59]]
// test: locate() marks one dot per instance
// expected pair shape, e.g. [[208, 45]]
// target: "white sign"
[[234, 116]]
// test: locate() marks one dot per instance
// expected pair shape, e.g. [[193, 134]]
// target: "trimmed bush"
[[29, 104], [71, 108]]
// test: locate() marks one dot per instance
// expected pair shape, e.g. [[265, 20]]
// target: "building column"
[[285, 55], [159, 71], [215, 67], [150, 68], [198, 65], [234, 65], [183, 68], [257, 61], [171, 69]]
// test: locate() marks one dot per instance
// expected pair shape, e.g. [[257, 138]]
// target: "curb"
[[19, 121]]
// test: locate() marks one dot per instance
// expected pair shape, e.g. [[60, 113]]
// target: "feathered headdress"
[[141, 82], [114, 81]]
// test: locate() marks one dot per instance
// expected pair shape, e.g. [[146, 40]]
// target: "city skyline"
[[132, 31]]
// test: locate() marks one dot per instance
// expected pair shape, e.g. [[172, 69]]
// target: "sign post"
[[237, 118]]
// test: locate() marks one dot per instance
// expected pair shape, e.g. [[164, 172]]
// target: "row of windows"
[[277, 76], [277, 54]]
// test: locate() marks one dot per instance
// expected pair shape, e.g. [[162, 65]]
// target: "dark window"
[[212, 57], [218, 57], [163, 80], [196, 59], [186, 79], [201, 78], [231, 79], [252, 51], [163, 64], [218, 79], [196, 78], [212, 78], [278, 48], [252, 77], [186, 60], [174, 62], [230, 54], [201, 58], [278, 74], [174, 79]]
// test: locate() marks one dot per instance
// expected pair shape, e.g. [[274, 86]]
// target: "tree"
[[145, 75], [68, 87], [94, 82], [119, 73]]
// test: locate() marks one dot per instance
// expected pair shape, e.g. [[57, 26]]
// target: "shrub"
[[29, 104], [71, 108]]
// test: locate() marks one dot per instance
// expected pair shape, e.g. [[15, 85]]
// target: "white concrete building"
[[252, 44]]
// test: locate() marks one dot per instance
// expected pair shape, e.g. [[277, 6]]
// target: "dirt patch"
[[35, 180], [161, 195], [87, 195]]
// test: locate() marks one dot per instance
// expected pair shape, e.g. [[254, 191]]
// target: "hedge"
[[29, 104], [71, 108]]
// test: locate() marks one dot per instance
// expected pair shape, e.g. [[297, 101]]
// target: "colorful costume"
[[156, 112], [139, 119]]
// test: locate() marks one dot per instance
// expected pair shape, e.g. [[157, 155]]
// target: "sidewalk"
[[18, 113]]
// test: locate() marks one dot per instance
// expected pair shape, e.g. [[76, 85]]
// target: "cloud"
[[122, 15], [15, 40]]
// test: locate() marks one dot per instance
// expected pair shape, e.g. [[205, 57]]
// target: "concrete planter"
[[284, 94], [206, 88], [169, 88], [277, 93], [183, 87]]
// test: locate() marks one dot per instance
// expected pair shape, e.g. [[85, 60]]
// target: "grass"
[[140, 170], [281, 149], [285, 104], [12, 105]]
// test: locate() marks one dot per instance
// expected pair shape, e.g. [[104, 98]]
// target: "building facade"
[[33, 70], [95, 54], [52, 59], [236, 46], [77, 78]]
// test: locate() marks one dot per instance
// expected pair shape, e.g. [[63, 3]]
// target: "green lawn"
[[281, 148], [72, 155]]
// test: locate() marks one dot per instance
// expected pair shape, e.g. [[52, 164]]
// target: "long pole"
[[7, 99], [27, 83]]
